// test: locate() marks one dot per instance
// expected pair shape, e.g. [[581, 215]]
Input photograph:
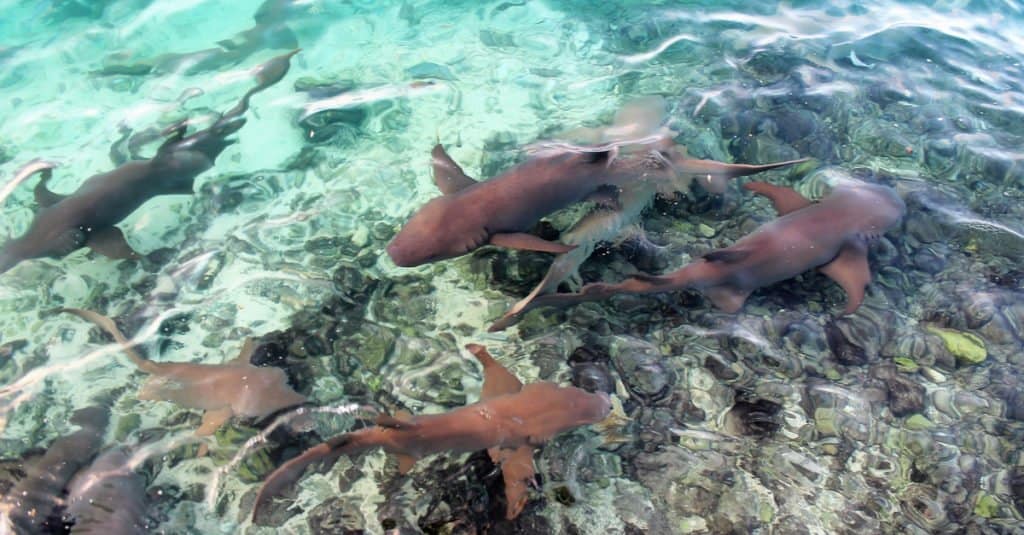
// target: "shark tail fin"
[[289, 472], [108, 325]]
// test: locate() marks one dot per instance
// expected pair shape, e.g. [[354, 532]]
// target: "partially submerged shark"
[[831, 235], [234, 388], [509, 421], [30, 505], [499, 211], [66, 223]]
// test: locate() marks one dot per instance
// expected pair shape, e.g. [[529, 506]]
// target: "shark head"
[[880, 206], [430, 235], [211, 141]]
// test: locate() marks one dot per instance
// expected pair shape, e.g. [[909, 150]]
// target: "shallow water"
[[906, 417]]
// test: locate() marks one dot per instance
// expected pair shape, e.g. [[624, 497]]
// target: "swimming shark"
[[107, 498], [509, 421], [498, 211], [66, 223], [831, 235], [30, 505], [234, 388]]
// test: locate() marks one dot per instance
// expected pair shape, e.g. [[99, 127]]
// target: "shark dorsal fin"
[[498, 381], [45, 197], [786, 200], [448, 176], [245, 355]]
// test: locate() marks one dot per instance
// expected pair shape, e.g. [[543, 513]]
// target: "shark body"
[[66, 223], [831, 235], [509, 421]]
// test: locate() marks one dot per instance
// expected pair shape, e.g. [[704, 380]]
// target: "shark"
[[499, 211], [87, 217], [831, 235], [30, 505], [107, 498], [268, 32], [509, 421], [234, 388]]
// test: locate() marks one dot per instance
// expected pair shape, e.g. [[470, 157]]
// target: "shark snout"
[[602, 406], [400, 256]]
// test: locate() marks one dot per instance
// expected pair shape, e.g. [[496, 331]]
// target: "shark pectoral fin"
[[110, 243], [727, 298], [212, 420], [405, 462], [786, 200], [498, 381], [518, 472], [850, 270], [45, 197], [529, 242], [448, 176]]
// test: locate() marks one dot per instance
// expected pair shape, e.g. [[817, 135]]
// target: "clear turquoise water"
[[780, 419]]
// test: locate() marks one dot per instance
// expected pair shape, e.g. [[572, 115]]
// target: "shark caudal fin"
[[108, 325], [288, 473]]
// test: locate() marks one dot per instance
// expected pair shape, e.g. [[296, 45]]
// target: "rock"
[[336, 516], [593, 377], [918, 422], [844, 352], [642, 369], [966, 347], [905, 396], [753, 417]]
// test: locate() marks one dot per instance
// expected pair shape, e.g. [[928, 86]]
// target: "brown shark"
[[831, 235], [66, 223], [509, 421], [234, 388], [498, 211]]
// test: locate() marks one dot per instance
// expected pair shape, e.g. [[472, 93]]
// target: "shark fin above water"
[[850, 270], [448, 175], [529, 242]]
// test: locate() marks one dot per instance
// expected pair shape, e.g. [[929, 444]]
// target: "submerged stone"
[[966, 347]]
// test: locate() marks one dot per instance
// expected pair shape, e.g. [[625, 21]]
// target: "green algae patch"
[[906, 365], [919, 422], [987, 506], [966, 347]]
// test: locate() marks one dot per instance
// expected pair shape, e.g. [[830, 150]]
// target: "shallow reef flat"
[[906, 416]]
